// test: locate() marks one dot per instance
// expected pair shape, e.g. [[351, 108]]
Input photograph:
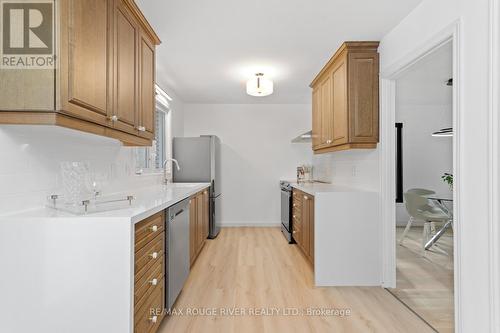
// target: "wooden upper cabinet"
[[364, 96], [338, 112], [105, 79], [85, 52], [345, 99], [316, 107], [147, 88], [326, 118], [126, 33]]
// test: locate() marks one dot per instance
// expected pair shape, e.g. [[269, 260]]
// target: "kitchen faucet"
[[165, 179]]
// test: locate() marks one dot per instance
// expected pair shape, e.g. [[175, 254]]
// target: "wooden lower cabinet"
[[198, 223], [149, 273], [303, 222], [150, 261], [206, 214]]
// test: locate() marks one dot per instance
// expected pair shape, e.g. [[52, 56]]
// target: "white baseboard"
[[255, 224]]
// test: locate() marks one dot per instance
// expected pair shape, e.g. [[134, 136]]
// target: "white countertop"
[[148, 201], [316, 187]]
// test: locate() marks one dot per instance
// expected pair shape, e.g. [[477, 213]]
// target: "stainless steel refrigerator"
[[199, 161]]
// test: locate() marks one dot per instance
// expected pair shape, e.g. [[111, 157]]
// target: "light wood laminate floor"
[[425, 284], [255, 268]]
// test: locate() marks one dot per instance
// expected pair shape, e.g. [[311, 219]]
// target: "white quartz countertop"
[[315, 188], [148, 201]]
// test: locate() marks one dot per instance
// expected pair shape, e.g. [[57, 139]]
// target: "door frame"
[[494, 173], [388, 154]]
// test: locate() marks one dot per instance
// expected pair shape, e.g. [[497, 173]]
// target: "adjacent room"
[[424, 185]]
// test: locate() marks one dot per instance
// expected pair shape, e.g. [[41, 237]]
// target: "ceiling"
[[424, 83], [211, 47]]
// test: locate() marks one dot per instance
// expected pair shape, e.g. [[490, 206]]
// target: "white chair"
[[418, 207]]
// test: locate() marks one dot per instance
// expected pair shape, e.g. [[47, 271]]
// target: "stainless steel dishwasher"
[[178, 250]]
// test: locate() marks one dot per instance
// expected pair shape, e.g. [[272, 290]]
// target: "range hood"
[[303, 138]]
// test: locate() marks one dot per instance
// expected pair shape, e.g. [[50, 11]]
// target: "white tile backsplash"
[[358, 168], [31, 155]]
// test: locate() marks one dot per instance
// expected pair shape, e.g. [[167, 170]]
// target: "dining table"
[[442, 201]]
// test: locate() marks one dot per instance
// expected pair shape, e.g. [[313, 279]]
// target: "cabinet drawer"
[[296, 194], [296, 209], [296, 204], [148, 256], [148, 229], [151, 311], [148, 283], [296, 218], [296, 233]]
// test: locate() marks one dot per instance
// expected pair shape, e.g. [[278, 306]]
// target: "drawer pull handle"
[[294, 231], [153, 319], [154, 255], [294, 216], [305, 198], [154, 282], [154, 228], [328, 141], [141, 129], [113, 118], [294, 205]]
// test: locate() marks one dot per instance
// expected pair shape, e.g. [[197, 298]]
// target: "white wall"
[[356, 168], [31, 156], [29, 167], [424, 105], [256, 154], [473, 285]]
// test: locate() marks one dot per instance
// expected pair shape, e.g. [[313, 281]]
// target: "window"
[[150, 159]]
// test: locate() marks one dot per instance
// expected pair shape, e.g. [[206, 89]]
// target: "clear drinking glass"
[[75, 177]]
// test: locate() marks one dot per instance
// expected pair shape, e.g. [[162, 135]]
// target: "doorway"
[[388, 97], [424, 188]]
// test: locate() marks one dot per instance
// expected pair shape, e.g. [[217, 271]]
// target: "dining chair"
[[419, 191], [419, 209]]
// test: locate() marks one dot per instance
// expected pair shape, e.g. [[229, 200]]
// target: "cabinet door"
[[363, 97], [192, 229], [297, 217], [339, 104], [147, 87], [206, 214], [316, 117], [305, 224], [297, 234], [125, 74], [310, 209], [200, 234], [85, 52], [326, 111]]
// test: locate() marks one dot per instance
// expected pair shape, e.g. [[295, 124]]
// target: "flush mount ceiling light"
[[259, 86]]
